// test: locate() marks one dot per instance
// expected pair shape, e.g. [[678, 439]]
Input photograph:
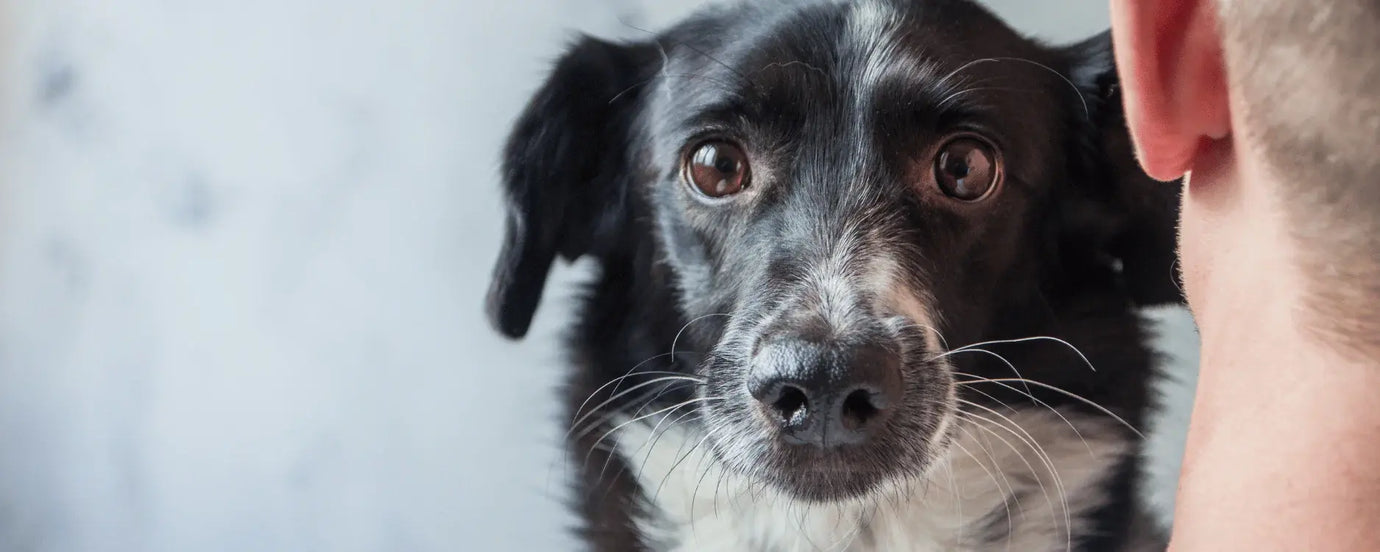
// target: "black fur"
[[1074, 241]]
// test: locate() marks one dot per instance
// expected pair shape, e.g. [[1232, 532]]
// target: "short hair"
[[1305, 76]]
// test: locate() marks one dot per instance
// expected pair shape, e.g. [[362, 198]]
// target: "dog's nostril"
[[790, 402], [858, 409]]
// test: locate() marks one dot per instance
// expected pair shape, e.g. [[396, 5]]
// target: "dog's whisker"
[[791, 63], [677, 454], [1079, 93], [1011, 489], [1064, 392], [623, 462], [942, 341], [694, 495], [651, 443], [1032, 398], [1045, 458], [631, 373], [646, 400], [723, 474], [664, 76], [954, 95], [959, 535], [645, 416], [975, 349], [957, 493], [677, 463], [682, 329], [663, 379], [981, 424], [1024, 340], [1024, 435], [1040, 453], [617, 382], [655, 437], [1028, 392], [659, 38]]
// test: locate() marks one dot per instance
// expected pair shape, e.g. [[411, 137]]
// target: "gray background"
[[243, 250]]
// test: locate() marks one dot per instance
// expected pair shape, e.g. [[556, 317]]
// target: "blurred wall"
[[243, 251]]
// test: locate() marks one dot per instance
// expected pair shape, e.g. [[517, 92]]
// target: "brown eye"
[[717, 169], [966, 169]]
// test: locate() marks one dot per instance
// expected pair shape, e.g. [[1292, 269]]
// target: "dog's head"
[[838, 193]]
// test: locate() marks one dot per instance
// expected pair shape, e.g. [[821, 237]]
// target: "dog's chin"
[[832, 485], [814, 475]]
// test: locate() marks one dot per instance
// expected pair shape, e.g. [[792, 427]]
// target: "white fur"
[[960, 505], [875, 25]]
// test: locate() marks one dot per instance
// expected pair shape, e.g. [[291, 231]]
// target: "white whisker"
[[1024, 340], [645, 416], [682, 329], [1044, 458], [630, 373], [1069, 394], [1037, 401], [1011, 490], [1086, 112], [676, 377]]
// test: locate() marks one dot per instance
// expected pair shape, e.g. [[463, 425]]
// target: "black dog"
[[868, 278]]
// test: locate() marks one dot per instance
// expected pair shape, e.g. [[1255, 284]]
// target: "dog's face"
[[838, 194]]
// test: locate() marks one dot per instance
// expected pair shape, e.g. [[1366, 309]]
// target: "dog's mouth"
[[829, 420]]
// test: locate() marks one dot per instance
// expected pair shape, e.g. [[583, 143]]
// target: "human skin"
[[1283, 449]]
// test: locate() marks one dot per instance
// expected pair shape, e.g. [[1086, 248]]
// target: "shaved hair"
[[1305, 76]]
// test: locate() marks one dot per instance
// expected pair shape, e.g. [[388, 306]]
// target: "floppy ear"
[[1136, 217], [566, 171]]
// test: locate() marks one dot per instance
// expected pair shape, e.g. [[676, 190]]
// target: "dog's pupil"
[[726, 164], [958, 168]]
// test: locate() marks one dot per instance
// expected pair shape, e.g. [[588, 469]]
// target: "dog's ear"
[[566, 171], [1118, 210]]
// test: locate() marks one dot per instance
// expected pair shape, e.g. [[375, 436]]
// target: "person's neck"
[[1282, 422], [1247, 291]]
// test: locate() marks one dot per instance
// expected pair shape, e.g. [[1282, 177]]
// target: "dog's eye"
[[717, 169], [966, 168]]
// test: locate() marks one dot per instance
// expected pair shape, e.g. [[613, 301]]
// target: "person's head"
[[1278, 98]]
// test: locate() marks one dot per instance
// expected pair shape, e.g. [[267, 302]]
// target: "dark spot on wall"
[[56, 82], [67, 262], [193, 205]]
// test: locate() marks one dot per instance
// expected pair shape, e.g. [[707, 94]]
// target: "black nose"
[[826, 395]]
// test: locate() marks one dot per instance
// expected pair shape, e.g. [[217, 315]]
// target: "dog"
[[867, 278]]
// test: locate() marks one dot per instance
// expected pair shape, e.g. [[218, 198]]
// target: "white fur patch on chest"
[[1021, 482]]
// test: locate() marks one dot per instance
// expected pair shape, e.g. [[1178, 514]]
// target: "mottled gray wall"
[[243, 248]]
